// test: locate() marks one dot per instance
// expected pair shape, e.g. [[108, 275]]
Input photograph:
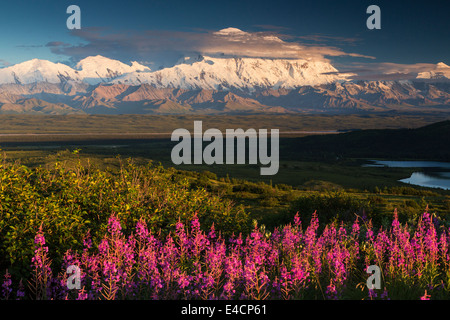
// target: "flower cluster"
[[292, 262]]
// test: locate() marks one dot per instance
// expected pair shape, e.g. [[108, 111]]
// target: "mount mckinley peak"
[[206, 84]]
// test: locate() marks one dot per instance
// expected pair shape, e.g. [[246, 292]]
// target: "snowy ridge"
[[37, 71], [439, 72], [92, 70], [192, 73], [210, 73], [199, 72]]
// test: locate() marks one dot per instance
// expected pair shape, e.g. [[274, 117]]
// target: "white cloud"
[[395, 71], [156, 45]]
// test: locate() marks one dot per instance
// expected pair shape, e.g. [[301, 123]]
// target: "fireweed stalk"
[[40, 283], [289, 263]]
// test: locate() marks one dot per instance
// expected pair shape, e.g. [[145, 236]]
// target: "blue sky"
[[412, 32]]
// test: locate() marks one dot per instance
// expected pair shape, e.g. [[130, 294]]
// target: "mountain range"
[[210, 85]]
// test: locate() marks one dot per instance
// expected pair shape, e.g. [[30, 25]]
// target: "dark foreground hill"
[[431, 142]]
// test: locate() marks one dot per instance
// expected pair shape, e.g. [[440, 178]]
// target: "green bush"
[[69, 202], [322, 186], [208, 174], [289, 196], [269, 202], [331, 206], [447, 205], [252, 187], [376, 199], [283, 187]]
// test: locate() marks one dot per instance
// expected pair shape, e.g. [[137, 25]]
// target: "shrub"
[[283, 187], [69, 202], [322, 186], [331, 206], [269, 202]]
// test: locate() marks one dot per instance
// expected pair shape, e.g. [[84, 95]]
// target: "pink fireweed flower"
[[103, 247], [195, 224], [20, 291], [39, 239], [289, 240], [114, 226], [342, 234], [42, 273], [369, 232], [331, 292], [41, 250], [298, 271], [384, 295], [198, 239], [183, 240], [381, 245], [6, 286], [183, 280], [431, 239], [395, 222], [212, 232], [311, 231], [109, 268], [443, 246], [425, 296], [82, 295], [141, 229], [87, 241], [328, 238], [337, 259], [285, 281], [355, 229], [233, 270], [372, 294], [297, 221], [289, 264]]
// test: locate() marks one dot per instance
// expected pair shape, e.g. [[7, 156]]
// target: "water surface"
[[434, 177]]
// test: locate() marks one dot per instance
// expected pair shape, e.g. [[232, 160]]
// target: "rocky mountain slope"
[[207, 85]]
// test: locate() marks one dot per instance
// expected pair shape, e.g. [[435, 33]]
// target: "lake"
[[434, 178]]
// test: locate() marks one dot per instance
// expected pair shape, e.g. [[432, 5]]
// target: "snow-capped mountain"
[[211, 84], [37, 70], [203, 72], [441, 71], [198, 72], [91, 70]]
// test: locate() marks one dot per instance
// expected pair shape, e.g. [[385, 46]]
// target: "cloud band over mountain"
[[166, 47]]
